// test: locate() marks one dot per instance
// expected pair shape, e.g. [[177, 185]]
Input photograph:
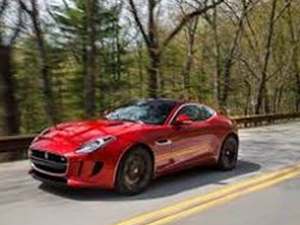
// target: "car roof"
[[161, 100]]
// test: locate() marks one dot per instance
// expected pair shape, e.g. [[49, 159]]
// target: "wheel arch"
[[144, 146], [130, 148]]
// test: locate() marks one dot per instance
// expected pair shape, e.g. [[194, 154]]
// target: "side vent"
[[97, 168]]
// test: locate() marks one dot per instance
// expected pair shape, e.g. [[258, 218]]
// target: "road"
[[263, 149], [276, 205]]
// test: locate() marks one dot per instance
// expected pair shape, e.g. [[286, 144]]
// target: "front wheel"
[[229, 154], [134, 172]]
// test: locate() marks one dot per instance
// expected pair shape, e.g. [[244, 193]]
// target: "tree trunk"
[[229, 59], [275, 99], [89, 78], [140, 68], [298, 92], [277, 102], [248, 97], [154, 73], [154, 53], [8, 95], [217, 76], [295, 45], [187, 67], [267, 108], [49, 103], [262, 84], [229, 63]]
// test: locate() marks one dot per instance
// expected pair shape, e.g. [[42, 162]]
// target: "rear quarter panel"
[[223, 127]]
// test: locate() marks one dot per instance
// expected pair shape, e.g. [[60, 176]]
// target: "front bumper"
[[52, 180], [71, 170]]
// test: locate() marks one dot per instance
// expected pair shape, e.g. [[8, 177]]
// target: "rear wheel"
[[229, 154], [135, 172]]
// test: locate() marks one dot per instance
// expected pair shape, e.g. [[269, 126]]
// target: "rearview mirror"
[[183, 119]]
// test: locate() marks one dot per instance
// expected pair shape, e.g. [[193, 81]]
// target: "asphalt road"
[[276, 205], [24, 201]]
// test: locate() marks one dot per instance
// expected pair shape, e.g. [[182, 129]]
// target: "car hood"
[[67, 137]]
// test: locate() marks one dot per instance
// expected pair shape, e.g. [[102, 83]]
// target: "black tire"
[[229, 154], [135, 172]]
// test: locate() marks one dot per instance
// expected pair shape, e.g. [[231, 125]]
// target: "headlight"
[[95, 144]]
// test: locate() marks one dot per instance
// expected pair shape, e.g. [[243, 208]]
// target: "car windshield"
[[150, 112]]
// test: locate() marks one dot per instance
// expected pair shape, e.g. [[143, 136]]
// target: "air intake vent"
[[97, 168]]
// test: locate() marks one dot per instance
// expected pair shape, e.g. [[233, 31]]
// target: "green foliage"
[[122, 61], [29, 87]]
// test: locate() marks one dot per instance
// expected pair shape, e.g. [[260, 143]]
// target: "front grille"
[[49, 163]]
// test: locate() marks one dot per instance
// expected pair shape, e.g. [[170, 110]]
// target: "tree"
[[87, 28], [260, 61], [155, 46], [295, 42], [225, 57], [98, 56], [49, 102], [89, 79], [262, 91], [190, 31], [8, 90]]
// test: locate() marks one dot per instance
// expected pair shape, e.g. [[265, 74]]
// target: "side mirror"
[[183, 119]]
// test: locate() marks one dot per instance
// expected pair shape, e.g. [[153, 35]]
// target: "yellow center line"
[[199, 203], [220, 201]]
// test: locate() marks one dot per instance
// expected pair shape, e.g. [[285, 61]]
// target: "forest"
[[74, 59]]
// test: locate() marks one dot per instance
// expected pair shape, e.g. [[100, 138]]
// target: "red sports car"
[[134, 144]]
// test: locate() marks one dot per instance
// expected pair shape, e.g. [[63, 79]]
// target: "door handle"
[[163, 142]]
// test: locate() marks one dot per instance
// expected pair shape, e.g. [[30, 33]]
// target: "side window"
[[191, 111], [196, 113], [206, 112]]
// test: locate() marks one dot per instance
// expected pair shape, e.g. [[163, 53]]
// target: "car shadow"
[[161, 187]]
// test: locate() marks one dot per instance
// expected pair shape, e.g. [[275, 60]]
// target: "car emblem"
[[46, 155]]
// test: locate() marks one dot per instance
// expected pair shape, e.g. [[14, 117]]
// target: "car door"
[[194, 141]]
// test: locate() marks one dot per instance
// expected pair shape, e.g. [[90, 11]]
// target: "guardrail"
[[15, 147], [261, 120]]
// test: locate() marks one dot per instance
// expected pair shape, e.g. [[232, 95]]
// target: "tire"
[[229, 154], [135, 172]]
